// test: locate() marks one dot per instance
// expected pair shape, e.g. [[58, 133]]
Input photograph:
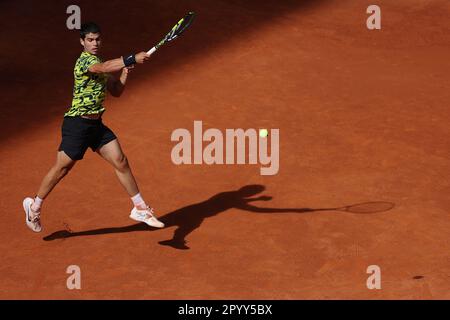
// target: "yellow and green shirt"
[[89, 90]]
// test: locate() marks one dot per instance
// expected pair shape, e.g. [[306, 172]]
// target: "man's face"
[[91, 42]]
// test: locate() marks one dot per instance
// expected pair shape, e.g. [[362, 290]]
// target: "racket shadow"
[[187, 219], [365, 207]]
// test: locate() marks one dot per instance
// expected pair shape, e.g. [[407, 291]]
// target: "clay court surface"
[[363, 117]]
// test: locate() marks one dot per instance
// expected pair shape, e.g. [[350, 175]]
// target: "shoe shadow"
[[189, 218]]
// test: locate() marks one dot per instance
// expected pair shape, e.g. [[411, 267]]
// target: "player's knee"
[[61, 171], [63, 168], [66, 168], [121, 163]]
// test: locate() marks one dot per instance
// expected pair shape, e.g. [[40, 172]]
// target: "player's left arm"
[[116, 85]]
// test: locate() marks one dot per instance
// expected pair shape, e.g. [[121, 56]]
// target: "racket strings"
[[184, 23]]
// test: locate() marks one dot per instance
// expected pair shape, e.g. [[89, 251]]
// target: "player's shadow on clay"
[[189, 218]]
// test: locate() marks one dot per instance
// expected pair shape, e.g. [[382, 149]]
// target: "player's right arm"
[[116, 64]]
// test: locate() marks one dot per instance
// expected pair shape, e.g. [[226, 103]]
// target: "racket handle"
[[151, 50]]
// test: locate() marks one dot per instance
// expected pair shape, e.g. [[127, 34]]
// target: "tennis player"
[[83, 127]]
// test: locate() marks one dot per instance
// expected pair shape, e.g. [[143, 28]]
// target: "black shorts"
[[80, 133]]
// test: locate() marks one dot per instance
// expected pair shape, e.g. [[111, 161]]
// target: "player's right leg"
[[75, 140], [61, 167]]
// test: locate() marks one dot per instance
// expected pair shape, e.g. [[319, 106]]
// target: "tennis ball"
[[263, 133]]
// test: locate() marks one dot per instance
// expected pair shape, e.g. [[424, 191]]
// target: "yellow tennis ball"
[[263, 133]]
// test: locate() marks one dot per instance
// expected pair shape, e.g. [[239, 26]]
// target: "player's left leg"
[[112, 152]]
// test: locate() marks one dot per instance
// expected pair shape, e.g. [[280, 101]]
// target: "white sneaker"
[[32, 219], [146, 216]]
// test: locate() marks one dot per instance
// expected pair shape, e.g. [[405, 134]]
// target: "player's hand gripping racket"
[[177, 30]]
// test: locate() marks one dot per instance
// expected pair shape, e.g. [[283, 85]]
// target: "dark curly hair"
[[89, 27]]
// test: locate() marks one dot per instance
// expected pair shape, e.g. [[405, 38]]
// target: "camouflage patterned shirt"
[[89, 89]]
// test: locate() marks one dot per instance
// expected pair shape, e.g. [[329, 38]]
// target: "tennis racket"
[[177, 30]]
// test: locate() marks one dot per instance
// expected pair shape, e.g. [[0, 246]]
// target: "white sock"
[[36, 206], [138, 201]]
